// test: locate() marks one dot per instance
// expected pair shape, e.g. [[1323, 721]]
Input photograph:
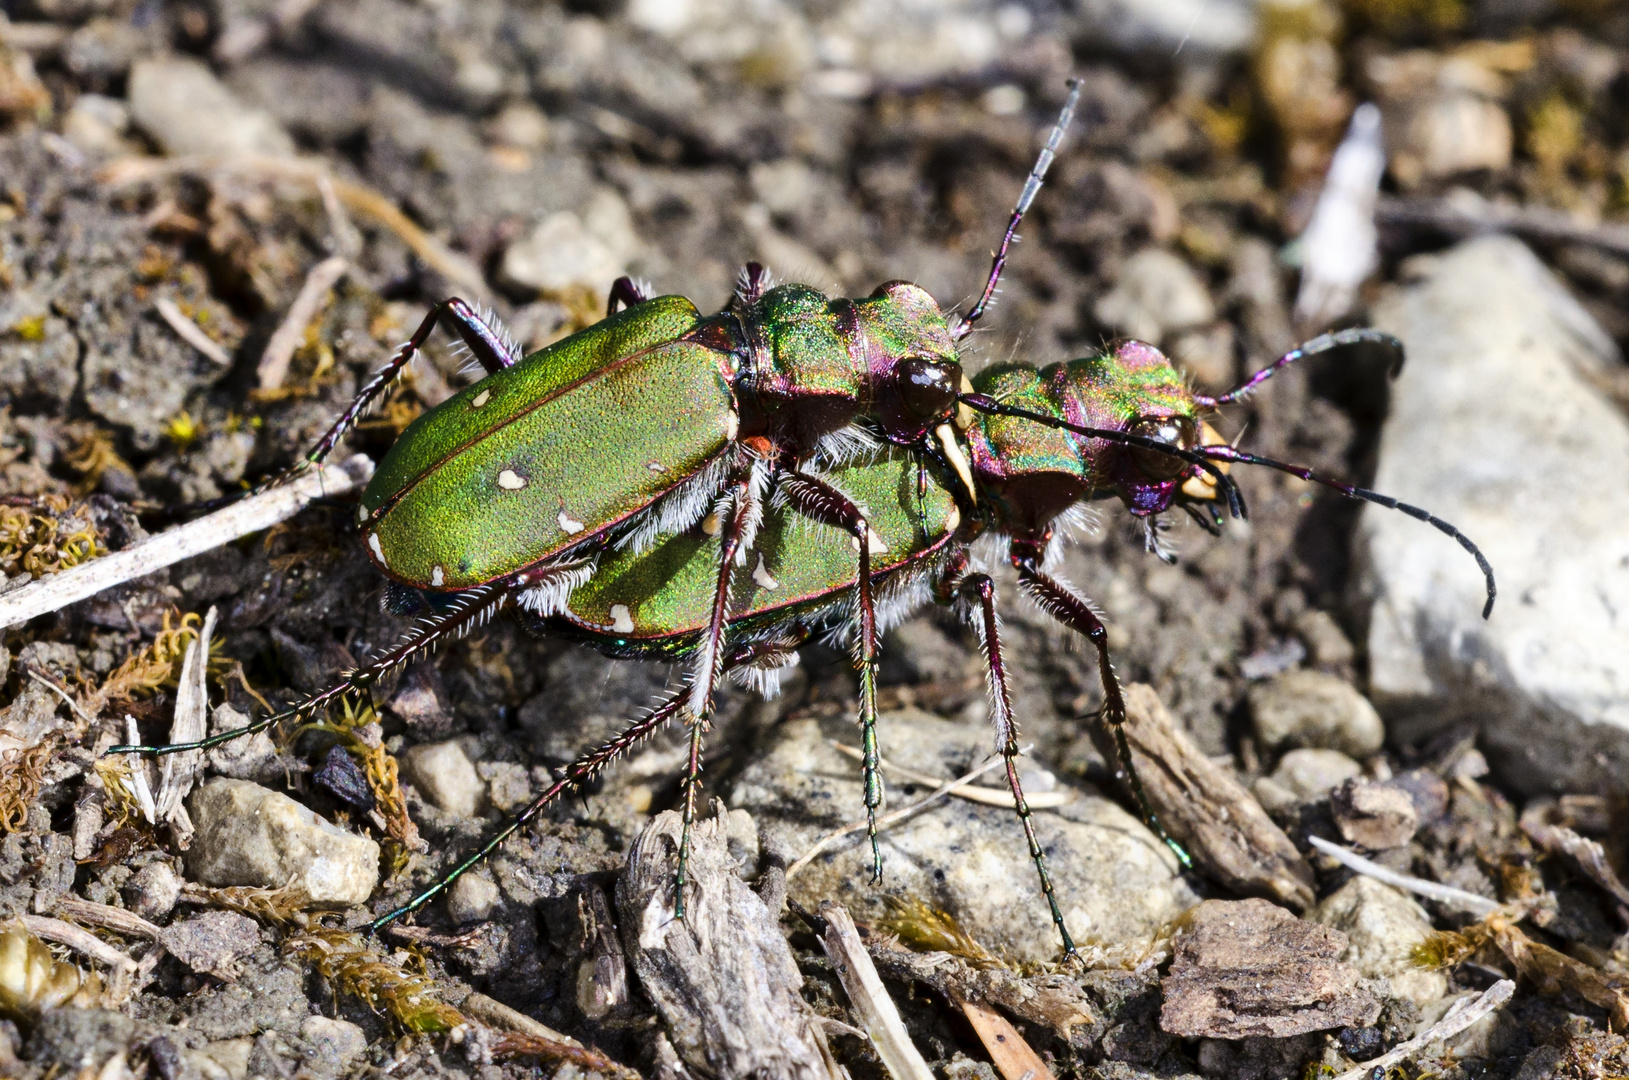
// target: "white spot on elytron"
[[953, 521], [568, 524], [361, 514], [621, 619], [437, 576], [762, 577], [711, 525], [732, 425], [480, 399], [656, 466], [510, 480], [374, 546]]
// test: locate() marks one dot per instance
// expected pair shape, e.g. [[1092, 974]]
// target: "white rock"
[[250, 835], [1443, 115], [1495, 428], [1116, 883], [1157, 294], [1382, 927], [568, 252], [1310, 708], [445, 776], [186, 110], [471, 899]]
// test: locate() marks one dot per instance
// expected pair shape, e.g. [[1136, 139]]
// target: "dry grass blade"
[[1444, 894], [949, 787], [279, 353], [191, 332], [1011, 1052], [873, 1006], [178, 771], [1040, 800]]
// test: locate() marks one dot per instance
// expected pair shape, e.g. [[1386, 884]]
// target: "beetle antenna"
[[1321, 343], [1032, 188], [1235, 501], [1352, 491]]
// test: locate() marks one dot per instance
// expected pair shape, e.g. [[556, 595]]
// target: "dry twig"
[[1040, 800], [1443, 894], [182, 542], [1460, 1016]]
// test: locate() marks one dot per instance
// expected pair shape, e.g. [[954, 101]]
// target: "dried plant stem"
[[274, 362], [947, 788], [1445, 894], [496, 1014], [182, 542], [107, 917], [1013, 1055], [1040, 800], [191, 332], [1462, 1015], [870, 999]]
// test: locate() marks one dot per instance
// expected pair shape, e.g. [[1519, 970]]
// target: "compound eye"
[[1174, 430], [928, 387]]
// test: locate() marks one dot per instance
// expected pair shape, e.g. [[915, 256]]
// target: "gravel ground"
[[524, 155]]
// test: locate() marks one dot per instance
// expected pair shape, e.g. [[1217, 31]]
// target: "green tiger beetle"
[[656, 485]]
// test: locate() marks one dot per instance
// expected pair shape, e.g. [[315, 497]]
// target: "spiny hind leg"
[[576, 775], [625, 292], [473, 610], [977, 591]]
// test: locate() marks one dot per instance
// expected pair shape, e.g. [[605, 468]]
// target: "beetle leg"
[[480, 605], [576, 775], [492, 348], [819, 501], [1060, 602], [979, 592], [625, 292]]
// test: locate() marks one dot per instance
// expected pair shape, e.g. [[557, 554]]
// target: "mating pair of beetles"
[[724, 488]]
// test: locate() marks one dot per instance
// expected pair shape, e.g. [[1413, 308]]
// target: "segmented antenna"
[[1319, 344], [1352, 491], [1032, 188], [1235, 501]]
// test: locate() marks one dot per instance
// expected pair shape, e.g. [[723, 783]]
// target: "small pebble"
[[342, 778], [153, 890], [211, 942], [335, 1044], [445, 777], [1157, 294], [471, 899], [250, 835], [186, 110], [1304, 775], [1310, 708], [1382, 927], [1374, 816]]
